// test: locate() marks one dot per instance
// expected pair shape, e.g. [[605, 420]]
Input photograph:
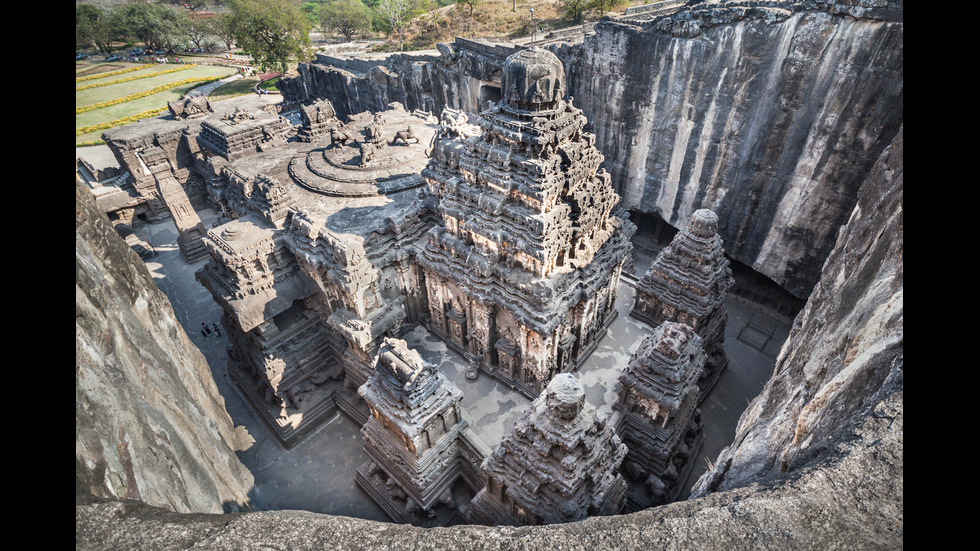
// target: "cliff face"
[[150, 424], [772, 119], [839, 378]]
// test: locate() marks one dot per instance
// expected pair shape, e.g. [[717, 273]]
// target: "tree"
[[574, 9], [157, 26], [469, 5], [199, 30], [348, 17], [273, 31], [93, 26], [221, 26], [394, 13]]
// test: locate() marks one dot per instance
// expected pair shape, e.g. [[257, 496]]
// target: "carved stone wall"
[[658, 418], [413, 438], [687, 283]]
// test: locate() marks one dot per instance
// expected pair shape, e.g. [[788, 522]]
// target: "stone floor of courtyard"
[[317, 474]]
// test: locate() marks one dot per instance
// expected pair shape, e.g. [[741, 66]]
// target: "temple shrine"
[[417, 442], [657, 416], [523, 267], [688, 283], [559, 463]]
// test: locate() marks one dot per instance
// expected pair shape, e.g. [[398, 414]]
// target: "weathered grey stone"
[[150, 424], [559, 463], [657, 416], [841, 488], [843, 364], [522, 272]]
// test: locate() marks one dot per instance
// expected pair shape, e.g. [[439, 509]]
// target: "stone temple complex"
[[406, 250], [658, 417], [559, 463], [687, 283], [522, 271]]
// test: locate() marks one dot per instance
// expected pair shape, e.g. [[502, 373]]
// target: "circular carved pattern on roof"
[[388, 163]]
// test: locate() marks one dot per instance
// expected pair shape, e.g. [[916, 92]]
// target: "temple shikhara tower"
[[559, 463], [658, 417], [521, 274], [688, 283], [416, 439]]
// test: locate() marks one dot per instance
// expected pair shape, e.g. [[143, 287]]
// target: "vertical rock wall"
[[150, 424], [839, 378], [771, 120]]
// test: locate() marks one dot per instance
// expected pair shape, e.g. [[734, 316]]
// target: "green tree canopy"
[[94, 26], [273, 31], [221, 26], [395, 13], [347, 17], [573, 9], [157, 26]]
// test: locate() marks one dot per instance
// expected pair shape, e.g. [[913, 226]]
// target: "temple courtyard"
[[318, 474]]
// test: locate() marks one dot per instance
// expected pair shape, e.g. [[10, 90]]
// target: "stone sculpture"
[[414, 436], [281, 353], [559, 463], [190, 107], [658, 417], [523, 271], [688, 283], [318, 120]]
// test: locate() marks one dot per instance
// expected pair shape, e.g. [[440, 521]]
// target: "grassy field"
[[122, 85]]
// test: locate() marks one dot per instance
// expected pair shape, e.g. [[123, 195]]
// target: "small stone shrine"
[[559, 463], [319, 120], [658, 419], [415, 438], [243, 132], [523, 269], [688, 283]]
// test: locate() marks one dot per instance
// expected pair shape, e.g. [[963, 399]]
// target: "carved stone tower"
[[658, 420], [688, 283], [415, 437], [522, 274], [559, 463]]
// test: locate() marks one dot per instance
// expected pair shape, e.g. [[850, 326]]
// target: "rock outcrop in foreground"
[[150, 424], [817, 462]]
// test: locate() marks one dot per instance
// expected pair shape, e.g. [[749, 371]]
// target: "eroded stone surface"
[[559, 463], [658, 418], [417, 440], [687, 283]]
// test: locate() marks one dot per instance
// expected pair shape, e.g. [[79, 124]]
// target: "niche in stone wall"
[[489, 92], [290, 316]]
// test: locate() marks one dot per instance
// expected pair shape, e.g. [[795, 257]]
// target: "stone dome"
[[703, 223], [565, 397], [533, 77]]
